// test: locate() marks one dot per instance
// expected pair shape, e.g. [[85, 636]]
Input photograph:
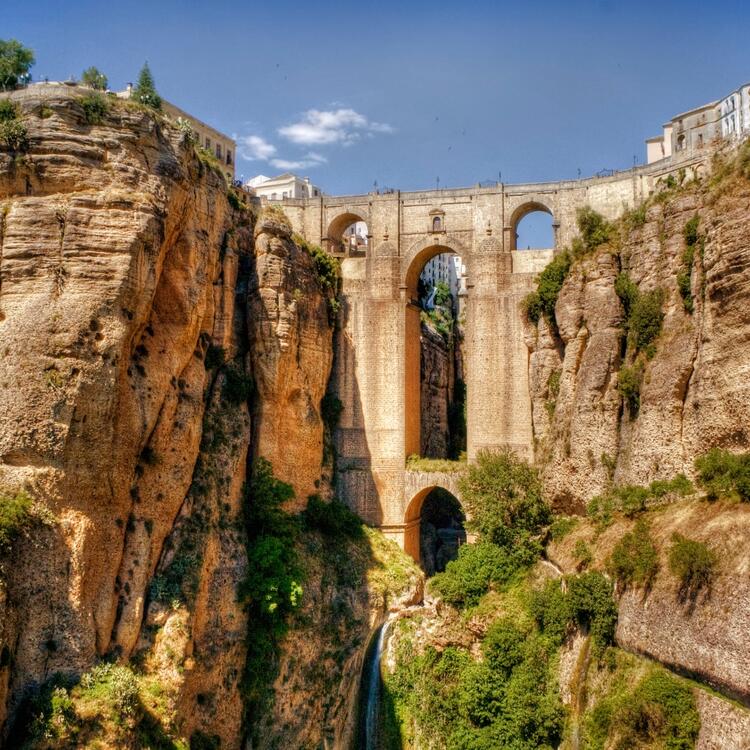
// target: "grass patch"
[[95, 108], [15, 517], [631, 500], [444, 465]]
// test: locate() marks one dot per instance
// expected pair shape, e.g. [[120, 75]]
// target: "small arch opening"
[[437, 224], [441, 530], [435, 529], [535, 231]]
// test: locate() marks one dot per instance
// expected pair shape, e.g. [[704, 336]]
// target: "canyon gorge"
[[180, 562]]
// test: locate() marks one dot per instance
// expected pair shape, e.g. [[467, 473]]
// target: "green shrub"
[[15, 516], [593, 606], [238, 386], [743, 160], [95, 108], [594, 228], [587, 603], [644, 321], [684, 275], [8, 110], [627, 291], [659, 712], [679, 485], [271, 589], [215, 357], [635, 560], [551, 279], [503, 646], [629, 387], [551, 609], [478, 568], [583, 554], [113, 685], [693, 564], [94, 78], [14, 136], [502, 496], [724, 474], [562, 526], [330, 410], [332, 518]]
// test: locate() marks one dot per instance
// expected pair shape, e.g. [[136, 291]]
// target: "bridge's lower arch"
[[434, 528]]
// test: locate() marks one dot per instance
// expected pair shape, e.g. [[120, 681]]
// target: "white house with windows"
[[287, 185], [690, 131]]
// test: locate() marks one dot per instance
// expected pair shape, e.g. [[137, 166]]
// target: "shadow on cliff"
[[354, 481]]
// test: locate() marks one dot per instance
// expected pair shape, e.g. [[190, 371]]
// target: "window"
[[700, 140], [273, 196], [218, 151], [436, 224], [315, 192], [229, 156], [681, 142], [285, 194], [208, 143]]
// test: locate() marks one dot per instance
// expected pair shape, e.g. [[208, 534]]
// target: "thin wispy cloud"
[[325, 127], [255, 148], [307, 161], [341, 126]]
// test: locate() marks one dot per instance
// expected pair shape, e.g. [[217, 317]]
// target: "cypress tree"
[[145, 90]]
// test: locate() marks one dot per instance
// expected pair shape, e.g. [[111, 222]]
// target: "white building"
[[355, 236], [449, 269], [286, 185], [690, 131]]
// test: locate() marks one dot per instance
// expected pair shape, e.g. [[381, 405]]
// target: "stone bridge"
[[377, 363]]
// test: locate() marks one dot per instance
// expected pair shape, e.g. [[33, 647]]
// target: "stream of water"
[[373, 687]]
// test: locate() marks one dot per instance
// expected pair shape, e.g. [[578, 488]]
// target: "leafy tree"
[[145, 90], [94, 78], [15, 63], [724, 474], [543, 300], [503, 499]]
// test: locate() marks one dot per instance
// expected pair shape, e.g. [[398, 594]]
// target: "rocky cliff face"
[[694, 393], [437, 379], [155, 337]]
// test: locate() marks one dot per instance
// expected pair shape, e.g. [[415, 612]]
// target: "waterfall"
[[373, 687]]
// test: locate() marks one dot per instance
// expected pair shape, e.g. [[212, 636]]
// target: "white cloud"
[[323, 127], [307, 161], [255, 148]]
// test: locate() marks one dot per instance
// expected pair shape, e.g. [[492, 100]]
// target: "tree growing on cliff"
[[145, 90], [15, 63], [94, 78]]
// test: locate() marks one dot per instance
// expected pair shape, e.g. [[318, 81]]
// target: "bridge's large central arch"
[[420, 257]]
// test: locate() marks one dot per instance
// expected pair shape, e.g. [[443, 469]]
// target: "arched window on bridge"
[[348, 235], [437, 224], [535, 231]]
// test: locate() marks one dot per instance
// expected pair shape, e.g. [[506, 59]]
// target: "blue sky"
[[404, 93]]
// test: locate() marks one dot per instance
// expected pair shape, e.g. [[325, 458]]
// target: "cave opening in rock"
[[441, 530]]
